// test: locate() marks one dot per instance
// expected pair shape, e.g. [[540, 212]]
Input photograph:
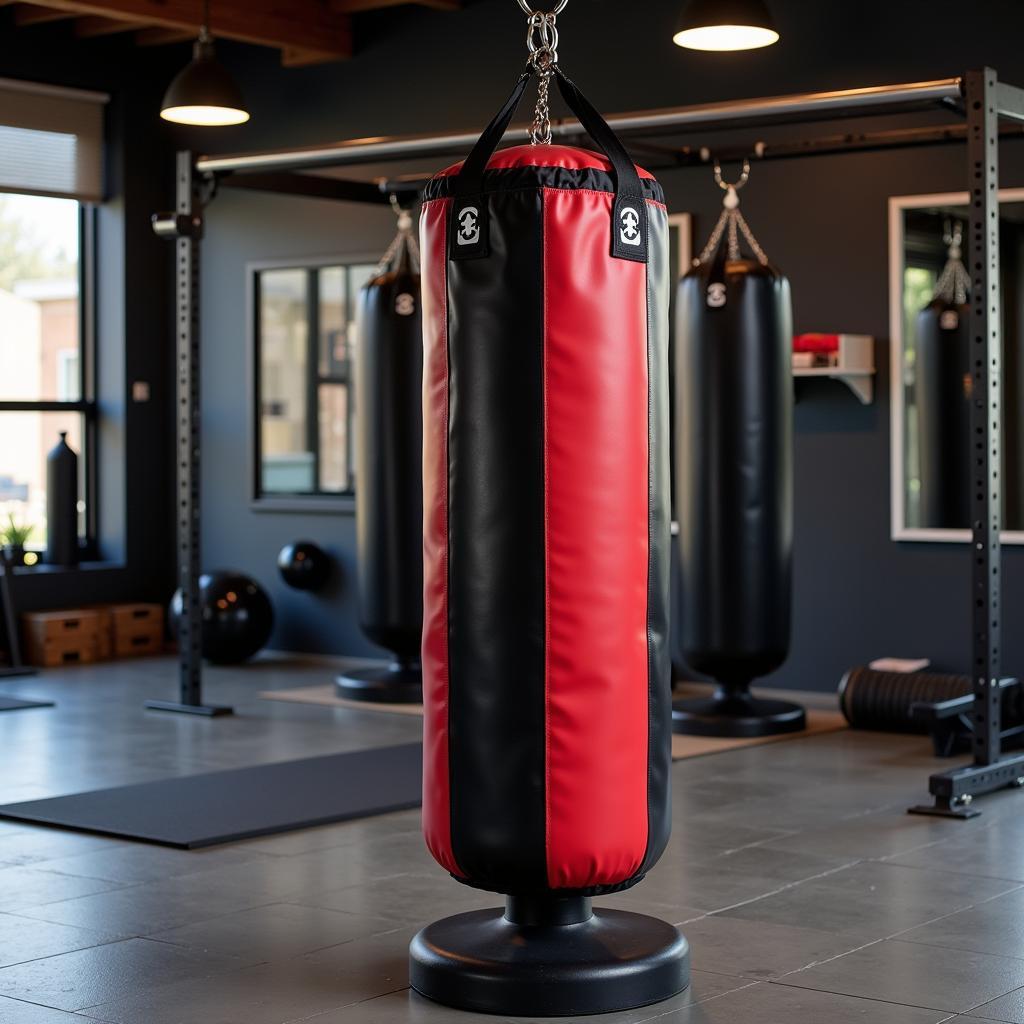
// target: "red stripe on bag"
[[596, 546], [436, 792]]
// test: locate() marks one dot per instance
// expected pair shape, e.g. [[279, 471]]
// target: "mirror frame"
[[899, 531]]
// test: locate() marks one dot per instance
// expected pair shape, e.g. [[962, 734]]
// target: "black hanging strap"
[[468, 233]]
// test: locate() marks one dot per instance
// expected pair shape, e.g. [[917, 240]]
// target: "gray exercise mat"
[[221, 807], [19, 703]]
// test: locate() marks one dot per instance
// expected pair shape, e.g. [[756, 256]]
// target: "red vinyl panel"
[[436, 804], [596, 559]]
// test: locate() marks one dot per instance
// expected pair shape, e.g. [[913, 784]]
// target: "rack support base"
[[955, 790], [549, 956], [206, 710]]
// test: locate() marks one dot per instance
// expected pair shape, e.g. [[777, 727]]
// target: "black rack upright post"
[[185, 226], [986, 100]]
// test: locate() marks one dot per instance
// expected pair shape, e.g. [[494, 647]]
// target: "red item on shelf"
[[816, 343]]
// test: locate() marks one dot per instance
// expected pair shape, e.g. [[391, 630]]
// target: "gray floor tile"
[[871, 900], [276, 931], [996, 927], [758, 949], [1009, 1008], [979, 847], [907, 972], [26, 846], [22, 938], [24, 888], [74, 981], [14, 1011]]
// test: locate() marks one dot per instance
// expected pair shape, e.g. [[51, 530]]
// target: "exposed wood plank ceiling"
[[305, 31]]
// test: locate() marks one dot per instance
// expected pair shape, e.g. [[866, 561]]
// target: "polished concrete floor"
[[807, 894]]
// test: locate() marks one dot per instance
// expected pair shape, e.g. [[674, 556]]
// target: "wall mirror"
[[930, 384]]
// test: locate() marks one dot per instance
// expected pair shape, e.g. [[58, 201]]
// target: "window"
[[304, 338], [45, 365]]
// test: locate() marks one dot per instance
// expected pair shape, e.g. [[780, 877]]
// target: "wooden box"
[[135, 629], [61, 638]]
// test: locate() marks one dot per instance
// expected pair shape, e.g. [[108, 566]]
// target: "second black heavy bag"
[[389, 473], [942, 397], [734, 484]]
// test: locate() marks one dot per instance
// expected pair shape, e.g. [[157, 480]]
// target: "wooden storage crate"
[[61, 637], [136, 629]]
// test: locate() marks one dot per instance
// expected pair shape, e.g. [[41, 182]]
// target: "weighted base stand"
[[209, 710], [549, 956], [401, 682], [735, 712]]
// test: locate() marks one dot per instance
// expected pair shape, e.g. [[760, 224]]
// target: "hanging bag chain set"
[[954, 282]]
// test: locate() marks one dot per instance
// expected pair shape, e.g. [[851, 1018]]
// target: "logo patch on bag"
[[629, 229], [716, 294], [468, 232], [405, 304], [469, 226]]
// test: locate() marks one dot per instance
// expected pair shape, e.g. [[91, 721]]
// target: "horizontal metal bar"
[[48, 406], [763, 110], [1010, 101], [308, 185]]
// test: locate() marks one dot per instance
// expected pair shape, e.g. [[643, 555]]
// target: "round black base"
[[609, 960], [736, 716], [394, 684]]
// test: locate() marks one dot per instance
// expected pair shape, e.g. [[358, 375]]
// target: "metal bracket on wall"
[[185, 227]]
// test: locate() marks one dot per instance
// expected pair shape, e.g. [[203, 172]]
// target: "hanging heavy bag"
[[389, 456], [734, 478], [942, 396], [546, 539]]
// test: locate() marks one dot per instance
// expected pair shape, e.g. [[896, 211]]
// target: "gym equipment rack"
[[982, 109]]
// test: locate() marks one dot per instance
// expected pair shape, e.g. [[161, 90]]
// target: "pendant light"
[[725, 25], [204, 93]]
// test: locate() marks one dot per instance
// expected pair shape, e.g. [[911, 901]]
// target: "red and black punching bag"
[[389, 460], [546, 548], [734, 482]]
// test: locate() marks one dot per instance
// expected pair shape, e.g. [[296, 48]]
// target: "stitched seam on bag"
[[547, 535]]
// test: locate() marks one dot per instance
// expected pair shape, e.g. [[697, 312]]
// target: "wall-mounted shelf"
[[854, 365]]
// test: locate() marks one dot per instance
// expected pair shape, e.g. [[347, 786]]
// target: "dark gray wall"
[[858, 595]]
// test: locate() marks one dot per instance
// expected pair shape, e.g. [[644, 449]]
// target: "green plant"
[[14, 534]]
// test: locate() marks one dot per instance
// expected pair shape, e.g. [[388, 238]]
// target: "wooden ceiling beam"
[[92, 26], [29, 14], [310, 25], [358, 6], [157, 36]]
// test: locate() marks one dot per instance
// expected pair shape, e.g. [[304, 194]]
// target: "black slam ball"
[[304, 565], [237, 616]]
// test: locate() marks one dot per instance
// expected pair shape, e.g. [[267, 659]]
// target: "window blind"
[[51, 140]]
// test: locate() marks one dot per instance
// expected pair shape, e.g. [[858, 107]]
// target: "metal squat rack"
[[983, 109]]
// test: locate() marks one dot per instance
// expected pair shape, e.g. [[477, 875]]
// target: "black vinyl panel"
[[496, 595], [504, 179], [659, 681]]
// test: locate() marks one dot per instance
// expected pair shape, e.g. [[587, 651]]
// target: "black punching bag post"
[[62, 504], [734, 479], [389, 473]]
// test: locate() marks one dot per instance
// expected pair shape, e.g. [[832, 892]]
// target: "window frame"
[[338, 503], [86, 403]]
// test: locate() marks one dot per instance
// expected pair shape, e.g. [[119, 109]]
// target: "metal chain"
[[954, 282], [405, 237], [731, 221], [542, 44]]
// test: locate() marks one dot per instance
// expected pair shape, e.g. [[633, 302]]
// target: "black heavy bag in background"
[[62, 504], [389, 473], [942, 397], [734, 481]]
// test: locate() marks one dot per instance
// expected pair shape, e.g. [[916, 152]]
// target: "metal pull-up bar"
[[802, 107]]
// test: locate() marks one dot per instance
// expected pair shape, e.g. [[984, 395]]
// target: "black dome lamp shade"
[[725, 25], [204, 93]]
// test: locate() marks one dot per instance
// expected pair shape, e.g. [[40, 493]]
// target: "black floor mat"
[[220, 807]]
